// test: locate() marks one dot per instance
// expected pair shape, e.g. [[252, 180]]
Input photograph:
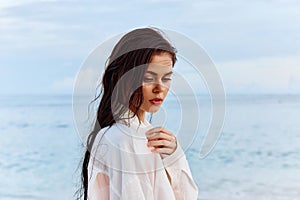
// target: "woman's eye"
[[148, 79], [167, 79]]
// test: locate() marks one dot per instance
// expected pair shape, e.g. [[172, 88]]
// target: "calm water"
[[256, 157]]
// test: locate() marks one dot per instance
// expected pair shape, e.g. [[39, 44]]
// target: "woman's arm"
[[99, 188]]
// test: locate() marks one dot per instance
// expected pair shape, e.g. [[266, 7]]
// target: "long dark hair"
[[134, 49]]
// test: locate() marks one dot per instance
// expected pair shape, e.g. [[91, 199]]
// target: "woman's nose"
[[159, 87]]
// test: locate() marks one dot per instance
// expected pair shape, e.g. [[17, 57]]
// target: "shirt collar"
[[133, 120]]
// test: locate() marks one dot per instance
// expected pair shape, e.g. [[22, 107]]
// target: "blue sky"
[[254, 44]]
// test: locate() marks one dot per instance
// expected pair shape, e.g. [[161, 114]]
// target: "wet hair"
[[134, 49]]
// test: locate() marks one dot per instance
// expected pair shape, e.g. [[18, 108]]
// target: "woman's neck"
[[141, 115]]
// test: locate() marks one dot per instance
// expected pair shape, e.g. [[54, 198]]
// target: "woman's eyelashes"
[[167, 79], [148, 79], [151, 79]]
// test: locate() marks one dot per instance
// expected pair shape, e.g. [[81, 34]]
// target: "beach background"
[[256, 157], [254, 45]]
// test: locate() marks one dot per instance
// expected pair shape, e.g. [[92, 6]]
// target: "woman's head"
[[126, 81]]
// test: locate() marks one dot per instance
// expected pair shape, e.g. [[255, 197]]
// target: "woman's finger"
[[162, 146], [158, 129], [161, 135], [166, 151], [158, 143]]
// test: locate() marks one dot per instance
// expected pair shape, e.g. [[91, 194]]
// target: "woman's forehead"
[[156, 69], [161, 63], [163, 58]]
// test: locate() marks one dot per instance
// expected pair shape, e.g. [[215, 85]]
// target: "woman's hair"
[[134, 49]]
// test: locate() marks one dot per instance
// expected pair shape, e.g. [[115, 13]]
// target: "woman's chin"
[[153, 109]]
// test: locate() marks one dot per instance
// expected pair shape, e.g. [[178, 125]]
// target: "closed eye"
[[148, 79], [166, 79]]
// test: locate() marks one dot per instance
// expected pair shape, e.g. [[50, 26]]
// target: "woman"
[[126, 157]]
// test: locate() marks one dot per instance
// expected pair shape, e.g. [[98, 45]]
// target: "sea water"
[[256, 157]]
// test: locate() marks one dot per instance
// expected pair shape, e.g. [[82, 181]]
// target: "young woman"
[[127, 158]]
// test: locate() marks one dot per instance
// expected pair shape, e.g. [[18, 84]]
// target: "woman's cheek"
[[147, 90]]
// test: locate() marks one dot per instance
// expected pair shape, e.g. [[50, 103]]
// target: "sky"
[[255, 45]]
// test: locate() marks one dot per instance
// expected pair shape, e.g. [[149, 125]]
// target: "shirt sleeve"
[[99, 187], [181, 179], [98, 181]]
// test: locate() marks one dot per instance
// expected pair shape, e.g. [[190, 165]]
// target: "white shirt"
[[121, 166]]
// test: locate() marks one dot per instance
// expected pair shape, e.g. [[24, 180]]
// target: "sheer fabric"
[[123, 167]]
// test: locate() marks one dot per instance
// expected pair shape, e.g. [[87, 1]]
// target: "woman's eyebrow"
[[155, 74]]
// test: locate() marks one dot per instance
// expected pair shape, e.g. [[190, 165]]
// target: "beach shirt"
[[121, 166]]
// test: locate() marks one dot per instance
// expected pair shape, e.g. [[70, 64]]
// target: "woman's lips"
[[156, 101]]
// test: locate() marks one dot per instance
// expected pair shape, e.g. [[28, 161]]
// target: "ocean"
[[256, 157]]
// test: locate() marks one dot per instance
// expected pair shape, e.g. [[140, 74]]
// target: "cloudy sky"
[[254, 44]]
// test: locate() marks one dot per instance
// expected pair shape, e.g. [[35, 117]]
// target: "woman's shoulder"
[[117, 135], [123, 137], [109, 143], [122, 148]]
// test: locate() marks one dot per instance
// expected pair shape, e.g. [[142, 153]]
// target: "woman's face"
[[156, 82]]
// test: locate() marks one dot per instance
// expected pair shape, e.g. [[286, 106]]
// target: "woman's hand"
[[162, 141]]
